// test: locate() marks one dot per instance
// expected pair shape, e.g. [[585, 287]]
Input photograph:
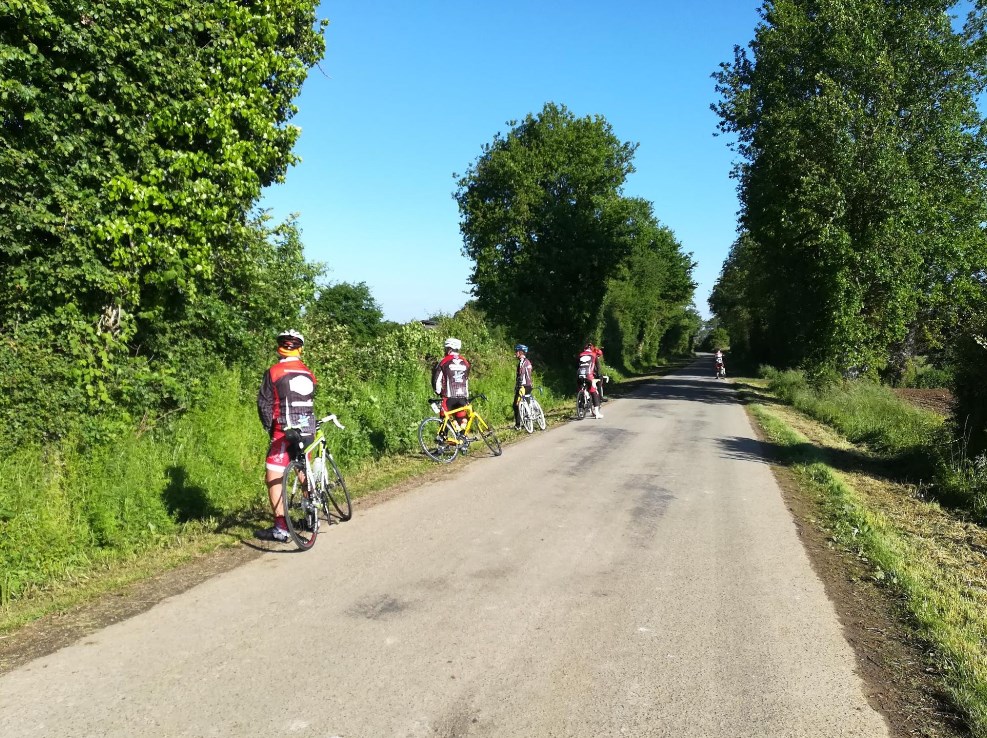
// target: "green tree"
[[861, 178], [648, 294], [544, 222], [135, 137], [352, 306]]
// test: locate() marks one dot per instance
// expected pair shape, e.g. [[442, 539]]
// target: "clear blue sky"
[[412, 91]]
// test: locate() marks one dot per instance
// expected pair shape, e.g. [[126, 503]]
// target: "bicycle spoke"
[[300, 511], [336, 502], [435, 445]]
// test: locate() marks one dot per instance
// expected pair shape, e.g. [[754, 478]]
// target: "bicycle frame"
[[318, 442], [472, 418]]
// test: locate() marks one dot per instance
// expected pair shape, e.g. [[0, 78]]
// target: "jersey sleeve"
[[265, 402]]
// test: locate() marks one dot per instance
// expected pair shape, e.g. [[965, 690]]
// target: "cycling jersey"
[[286, 398], [587, 364], [450, 377], [523, 373]]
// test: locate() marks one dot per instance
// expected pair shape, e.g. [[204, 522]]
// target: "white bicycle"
[[531, 413]]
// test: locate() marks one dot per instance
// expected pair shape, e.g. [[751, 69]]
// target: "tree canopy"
[[135, 139], [861, 180], [549, 232]]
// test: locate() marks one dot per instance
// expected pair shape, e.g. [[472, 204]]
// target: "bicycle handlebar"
[[333, 420]]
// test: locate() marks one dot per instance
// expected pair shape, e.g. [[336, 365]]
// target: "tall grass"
[[69, 508], [862, 411]]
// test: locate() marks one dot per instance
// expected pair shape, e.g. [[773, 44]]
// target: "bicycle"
[[442, 442], [530, 412], [312, 483]]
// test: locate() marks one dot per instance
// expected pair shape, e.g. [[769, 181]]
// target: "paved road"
[[637, 575]]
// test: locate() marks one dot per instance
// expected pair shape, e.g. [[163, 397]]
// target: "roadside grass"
[[76, 523], [864, 412], [933, 560]]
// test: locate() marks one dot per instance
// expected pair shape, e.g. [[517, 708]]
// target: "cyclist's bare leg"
[[274, 486]]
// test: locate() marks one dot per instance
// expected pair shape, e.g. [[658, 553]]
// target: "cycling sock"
[[279, 522]]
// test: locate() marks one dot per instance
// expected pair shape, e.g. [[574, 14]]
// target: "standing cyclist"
[[285, 401], [522, 384], [586, 375], [450, 380]]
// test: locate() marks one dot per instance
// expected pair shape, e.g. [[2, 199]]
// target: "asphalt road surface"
[[637, 575]]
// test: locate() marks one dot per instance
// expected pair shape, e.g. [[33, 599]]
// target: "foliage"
[[353, 306], [863, 411], [861, 182], [648, 295], [718, 338], [969, 387], [547, 228], [134, 139]]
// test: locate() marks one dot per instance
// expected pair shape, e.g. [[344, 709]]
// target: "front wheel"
[[537, 414], [300, 512], [335, 497], [527, 422], [434, 444], [490, 438]]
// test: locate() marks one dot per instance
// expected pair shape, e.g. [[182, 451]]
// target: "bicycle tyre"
[[428, 438], [490, 438], [581, 403], [300, 514], [537, 413], [527, 422], [335, 496]]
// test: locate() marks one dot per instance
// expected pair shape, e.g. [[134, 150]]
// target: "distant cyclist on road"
[[450, 380], [719, 368], [587, 374], [285, 400], [522, 384]]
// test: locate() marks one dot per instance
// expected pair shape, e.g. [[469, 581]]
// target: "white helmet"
[[453, 343], [291, 336]]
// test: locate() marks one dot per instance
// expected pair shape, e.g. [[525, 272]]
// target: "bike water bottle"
[[318, 468]]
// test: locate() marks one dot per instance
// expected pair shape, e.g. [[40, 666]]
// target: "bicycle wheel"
[[435, 446], [335, 497], [489, 437], [582, 404], [527, 422], [537, 414], [300, 512]]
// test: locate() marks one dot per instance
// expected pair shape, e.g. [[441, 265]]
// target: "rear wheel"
[[300, 512], [582, 404], [524, 410], [537, 414], [435, 445], [490, 438], [335, 497]]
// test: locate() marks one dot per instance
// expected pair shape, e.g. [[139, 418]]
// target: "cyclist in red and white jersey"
[[450, 379], [587, 374], [285, 400]]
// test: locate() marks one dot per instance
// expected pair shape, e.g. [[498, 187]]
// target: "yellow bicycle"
[[442, 442]]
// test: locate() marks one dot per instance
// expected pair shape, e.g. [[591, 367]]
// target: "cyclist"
[[285, 400], [450, 380], [586, 375], [522, 384], [719, 368]]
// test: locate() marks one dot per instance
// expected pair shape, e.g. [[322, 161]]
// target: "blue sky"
[[412, 90]]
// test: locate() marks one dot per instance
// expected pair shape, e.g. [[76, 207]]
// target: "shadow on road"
[[768, 452], [687, 388]]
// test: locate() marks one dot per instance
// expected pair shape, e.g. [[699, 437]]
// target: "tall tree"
[[135, 137], [543, 221], [861, 178]]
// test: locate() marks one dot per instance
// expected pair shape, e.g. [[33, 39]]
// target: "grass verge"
[[932, 560]]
